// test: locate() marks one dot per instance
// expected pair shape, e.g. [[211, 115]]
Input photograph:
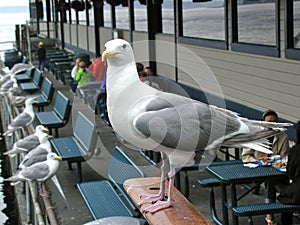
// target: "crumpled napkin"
[[251, 165]]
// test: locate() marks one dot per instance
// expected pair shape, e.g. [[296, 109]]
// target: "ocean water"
[[7, 28], [7, 31]]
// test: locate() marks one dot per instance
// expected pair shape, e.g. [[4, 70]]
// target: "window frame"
[[203, 42], [252, 48], [290, 51]]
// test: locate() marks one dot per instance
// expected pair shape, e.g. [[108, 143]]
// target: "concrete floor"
[[73, 211]]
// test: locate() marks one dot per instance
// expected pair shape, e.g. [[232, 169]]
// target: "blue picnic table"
[[237, 173]]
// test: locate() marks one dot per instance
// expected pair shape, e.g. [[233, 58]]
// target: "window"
[[292, 30], [107, 15], [140, 17], [257, 23], [296, 22], [255, 26], [167, 17], [122, 17], [204, 20]]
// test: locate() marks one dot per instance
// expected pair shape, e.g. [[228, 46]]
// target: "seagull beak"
[[51, 137], [46, 130], [36, 101], [59, 158], [107, 54]]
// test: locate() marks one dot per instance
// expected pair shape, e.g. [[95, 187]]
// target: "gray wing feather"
[[28, 142], [187, 125], [37, 171], [21, 120]]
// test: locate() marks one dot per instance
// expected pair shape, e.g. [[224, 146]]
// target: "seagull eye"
[[124, 46]]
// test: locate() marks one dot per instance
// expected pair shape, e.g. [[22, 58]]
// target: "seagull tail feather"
[[14, 180], [257, 147], [271, 124], [244, 138]]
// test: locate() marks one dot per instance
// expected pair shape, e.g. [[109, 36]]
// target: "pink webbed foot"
[[44, 194], [43, 191], [150, 198], [158, 206]]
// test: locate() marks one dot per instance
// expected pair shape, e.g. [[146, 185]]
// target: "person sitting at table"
[[290, 194], [279, 146], [73, 82], [83, 74]]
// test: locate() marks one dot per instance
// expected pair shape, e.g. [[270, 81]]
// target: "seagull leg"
[[151, 198], [43, 191], [159, 205]]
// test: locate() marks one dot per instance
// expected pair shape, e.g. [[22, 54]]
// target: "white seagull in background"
[[14, 97], [12, 82], [20, 67], [24, 119], [30, 142], [172, 124], [38, 154], [39, 171]]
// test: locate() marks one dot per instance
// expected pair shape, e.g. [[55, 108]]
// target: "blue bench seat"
[[35, 84], [103, 197], [103, 200], [80, 146], [45, 97], [59, 116]]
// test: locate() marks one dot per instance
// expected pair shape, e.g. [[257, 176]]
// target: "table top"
[[238, 173]]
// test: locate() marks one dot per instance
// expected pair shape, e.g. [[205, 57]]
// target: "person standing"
[[41, 56]]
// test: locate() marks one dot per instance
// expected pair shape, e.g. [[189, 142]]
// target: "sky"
[[4, 3]]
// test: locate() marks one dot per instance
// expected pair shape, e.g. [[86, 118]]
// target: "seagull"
[[175, 125], [12, 82], [38, 154], [29, 142], [15, 98], [5, 78], [24, 119], [39, 171], [20, 67]]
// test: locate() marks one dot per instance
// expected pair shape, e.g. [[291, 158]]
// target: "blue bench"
[[262, 209], [102, 198], [59, 116], [35, 84], [25, 77], [79, 147], [46, 95], [211, 182]]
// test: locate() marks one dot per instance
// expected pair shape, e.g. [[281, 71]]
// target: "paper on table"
[[251, 165]]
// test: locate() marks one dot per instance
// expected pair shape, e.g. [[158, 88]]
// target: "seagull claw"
[[158, 206], [150, 198]]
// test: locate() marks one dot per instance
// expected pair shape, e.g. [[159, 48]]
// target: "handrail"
[[10, 113]]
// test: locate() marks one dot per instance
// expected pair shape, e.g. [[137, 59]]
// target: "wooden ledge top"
[[182, 212]]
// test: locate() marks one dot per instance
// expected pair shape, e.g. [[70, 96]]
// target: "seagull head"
[[30, 101], [53, 156], [41, 129], [118, 52]]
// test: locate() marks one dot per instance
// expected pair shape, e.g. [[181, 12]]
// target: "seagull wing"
[[37, 171], [21, 120], [178, 122]]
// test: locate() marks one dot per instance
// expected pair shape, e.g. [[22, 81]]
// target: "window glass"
[[122, 17], [204, 20], [91, 15], [297, 24], [168, 17], [257, 22], [140, 17], [107, 15]]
